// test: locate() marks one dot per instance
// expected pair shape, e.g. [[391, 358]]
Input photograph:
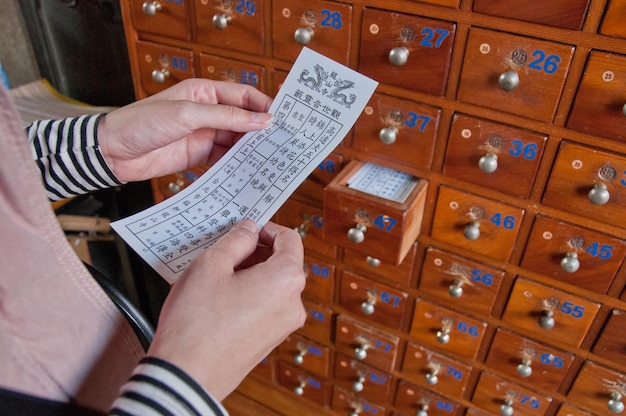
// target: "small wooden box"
[[389, 227]]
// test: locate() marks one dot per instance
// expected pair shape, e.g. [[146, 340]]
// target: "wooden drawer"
[[569, 410], [231, 70], [400, 274], [239, 405], [231, 25], [394, 128], [611, 343], [163, 17], [514, 74], [404, 50], [572, 254], [373, 301], [490, 154], [527, 361], [306, 354], [324, 26], [435, 371], [304, 384], [361, 379], [590, 182], [549, 314], [320, 279], [313, 186], [345, 402], [598, 389], [411, 399], [568, 14], [319, 322], [475, 223], [309, 221], [166, 186], [613, 23], [460, 282], [444, 330], [162, 66], [371, 224], [495, 394], [600, 104], [367, 344]]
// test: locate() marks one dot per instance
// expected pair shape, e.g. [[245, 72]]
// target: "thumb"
[[236, 245]]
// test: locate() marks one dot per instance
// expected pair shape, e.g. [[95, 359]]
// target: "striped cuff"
[[160, 388], [68, 156]]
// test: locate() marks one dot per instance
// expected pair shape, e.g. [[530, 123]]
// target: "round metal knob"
[[507, 408], [508, 80], [599, 194], [299, 390], [302, 229], [546, 320], [304, 35], [299, 357], [388, 135], [570, 262], [615, 404], [399, 56], [443, 335], [360, 353], [456, 289], [355, 412], [624, 110], [372, 261], [431, 378], [488, 163], [357, 233], [524, 369], [367, 307], [423, 411], [151, 8], [358, 385], [221, 21], [160, 75], [472, 230]]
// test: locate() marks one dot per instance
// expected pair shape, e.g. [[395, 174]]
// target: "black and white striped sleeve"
[[158, 388], [68, 156]]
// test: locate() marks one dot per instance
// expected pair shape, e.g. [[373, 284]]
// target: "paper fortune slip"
[[316, 107]]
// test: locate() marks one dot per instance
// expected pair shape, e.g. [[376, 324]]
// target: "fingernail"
[[249, 225], [262, 117]]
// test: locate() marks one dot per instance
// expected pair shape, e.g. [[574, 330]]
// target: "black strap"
[[13, 403], [141, 326]]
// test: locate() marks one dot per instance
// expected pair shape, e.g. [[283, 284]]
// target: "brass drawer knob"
[[160, 75], [356, 234]]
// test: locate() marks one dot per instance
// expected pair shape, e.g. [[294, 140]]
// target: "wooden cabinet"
[[499, 284]]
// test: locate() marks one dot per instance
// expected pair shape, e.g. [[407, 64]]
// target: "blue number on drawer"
[[385, 222], [413, 118], [471, 330], [320, 271], [548, 64], [327, 166], [377, 379], [178, 2], [602, 251], [445, 406], [433, 38], [575, 311], [455, 373], [508, 222], [180, 62], [382, 345], [248, 78], [528, 151], [331, 19], [484, 278], [553, 360], [623, 181], [245, 7], [531, 402], [387, 297]]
